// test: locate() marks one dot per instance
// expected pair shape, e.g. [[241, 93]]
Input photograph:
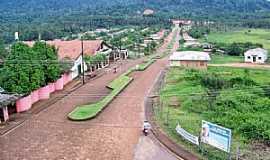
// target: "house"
[[123, 53], [257, 55], [181, 23], [148, 12], [190, 59], [72, 50]]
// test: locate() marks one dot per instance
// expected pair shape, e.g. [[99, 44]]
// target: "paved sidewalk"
[[149, 149]]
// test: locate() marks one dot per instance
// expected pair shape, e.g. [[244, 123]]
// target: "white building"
[[257, 55], [190, 59], [71, 50]]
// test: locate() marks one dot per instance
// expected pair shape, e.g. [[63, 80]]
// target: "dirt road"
[[113, 135]]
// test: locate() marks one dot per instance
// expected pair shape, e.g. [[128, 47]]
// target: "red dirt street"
[[113, 135]]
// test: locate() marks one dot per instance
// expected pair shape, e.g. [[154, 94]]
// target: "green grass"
[[260, 76], [221, 59], [145, 65], [90, 111], [119, 81], [261, 36], [190, 96]]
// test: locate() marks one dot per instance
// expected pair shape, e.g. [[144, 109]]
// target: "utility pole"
[[82, 54]]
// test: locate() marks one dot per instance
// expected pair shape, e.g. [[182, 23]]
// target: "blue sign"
[[216, 136]]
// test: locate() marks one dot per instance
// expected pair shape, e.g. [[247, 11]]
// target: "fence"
[[167, 119]]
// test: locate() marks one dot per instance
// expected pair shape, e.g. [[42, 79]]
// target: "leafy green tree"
[[21, 73], [3, 51], [48, 58]]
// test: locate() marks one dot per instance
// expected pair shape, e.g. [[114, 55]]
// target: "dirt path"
[[242, 65], [113, 135]]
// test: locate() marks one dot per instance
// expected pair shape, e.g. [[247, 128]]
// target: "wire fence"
[[167, 118]]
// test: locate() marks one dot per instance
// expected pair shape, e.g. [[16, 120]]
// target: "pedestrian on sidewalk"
[[114, 69]]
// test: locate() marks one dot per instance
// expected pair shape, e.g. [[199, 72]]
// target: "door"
[[254, 58], [79, 69]]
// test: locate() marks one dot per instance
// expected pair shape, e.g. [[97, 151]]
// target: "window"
[[201, 63], [259, 58], [248, 57]]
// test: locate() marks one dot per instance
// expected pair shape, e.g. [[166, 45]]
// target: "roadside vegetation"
[[255, 36], [223, 58], [145, 64], [28, 68], [231, 97], [86, 112], [89, 111]]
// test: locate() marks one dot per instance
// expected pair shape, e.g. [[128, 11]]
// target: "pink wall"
[[34, 96], [52, 87], [70, 77], [67, 77], [44, 92], [23, 104], [59, 84]]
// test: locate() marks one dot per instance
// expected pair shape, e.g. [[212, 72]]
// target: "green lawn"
[[90, 111], [233, 108], [145, 64], [221, 59], [261, 36]]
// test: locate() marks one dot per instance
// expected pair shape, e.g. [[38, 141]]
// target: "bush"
[[47, 55], [236, 49]]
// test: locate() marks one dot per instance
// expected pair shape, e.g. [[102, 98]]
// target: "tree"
[[48, 58], [3, 51], [22, 72]]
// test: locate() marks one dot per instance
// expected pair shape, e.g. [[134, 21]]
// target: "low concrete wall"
[[59, 84], [34, 96], [44, 92], [52, 87], [23, 104]]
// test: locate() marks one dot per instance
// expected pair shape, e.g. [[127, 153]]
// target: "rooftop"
[[257, 51], [190, 56], [6, 99], [72, 49]]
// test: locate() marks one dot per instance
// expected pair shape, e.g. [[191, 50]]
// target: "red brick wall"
[[194, 64]]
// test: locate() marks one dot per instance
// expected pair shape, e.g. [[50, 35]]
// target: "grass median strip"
[[89, 111], [145, 65], [92, 110]]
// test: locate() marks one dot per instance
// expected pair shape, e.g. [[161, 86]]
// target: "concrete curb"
[[157, 131]]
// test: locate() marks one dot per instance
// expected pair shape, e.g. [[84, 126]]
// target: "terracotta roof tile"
[[72, 49]]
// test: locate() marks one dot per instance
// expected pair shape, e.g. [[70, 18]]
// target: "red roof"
[[72, 49]]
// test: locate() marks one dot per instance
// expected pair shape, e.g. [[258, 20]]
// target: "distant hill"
[[43, 8], [58, 17]]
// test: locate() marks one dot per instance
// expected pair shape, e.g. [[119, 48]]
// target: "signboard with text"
[[186, 135], [216, 136]]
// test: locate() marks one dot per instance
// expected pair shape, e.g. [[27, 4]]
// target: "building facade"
[[257, 55], [190, 59]]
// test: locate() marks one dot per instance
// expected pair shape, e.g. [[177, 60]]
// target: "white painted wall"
[[260, 58], [74, 69]]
